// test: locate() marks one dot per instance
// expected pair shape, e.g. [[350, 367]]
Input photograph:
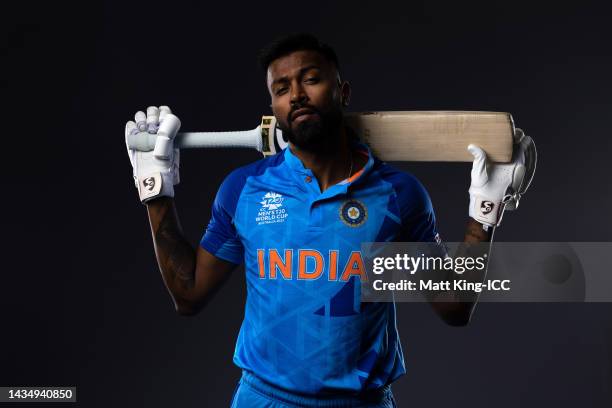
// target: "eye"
[[311, 80], [280, 91]]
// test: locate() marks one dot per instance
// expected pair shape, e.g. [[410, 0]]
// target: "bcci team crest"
[[353, 213]]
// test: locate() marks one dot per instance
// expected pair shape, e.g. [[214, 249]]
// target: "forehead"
[[291, 64]]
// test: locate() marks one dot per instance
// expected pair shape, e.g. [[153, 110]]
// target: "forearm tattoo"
[[175, 254]]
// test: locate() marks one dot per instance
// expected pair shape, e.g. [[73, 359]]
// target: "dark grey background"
[[81, 300]]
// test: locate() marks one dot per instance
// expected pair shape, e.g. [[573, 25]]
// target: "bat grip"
[[145, 142]]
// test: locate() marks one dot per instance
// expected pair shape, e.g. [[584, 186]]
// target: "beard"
[[318, 135]]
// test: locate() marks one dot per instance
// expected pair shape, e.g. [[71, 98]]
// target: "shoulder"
[[413, 203], [407, 186], [232, 185]]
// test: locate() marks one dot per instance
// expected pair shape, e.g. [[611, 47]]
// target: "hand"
[[495, 186], [155, 177]]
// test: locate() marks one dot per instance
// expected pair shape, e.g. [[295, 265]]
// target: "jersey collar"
[[298, 169]]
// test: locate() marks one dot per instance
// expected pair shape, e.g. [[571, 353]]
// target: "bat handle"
[[145, 142]]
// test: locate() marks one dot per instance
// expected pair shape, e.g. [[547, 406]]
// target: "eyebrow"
[[301, 72]]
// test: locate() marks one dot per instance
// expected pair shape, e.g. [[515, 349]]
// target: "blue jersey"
[[305, 329]]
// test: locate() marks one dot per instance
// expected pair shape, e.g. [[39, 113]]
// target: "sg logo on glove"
[[149, 183], [486, 207], [150, 186]]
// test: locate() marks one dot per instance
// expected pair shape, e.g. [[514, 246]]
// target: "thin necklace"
[[350, 168]]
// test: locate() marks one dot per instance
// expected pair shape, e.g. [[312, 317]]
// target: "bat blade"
[[435, 135]]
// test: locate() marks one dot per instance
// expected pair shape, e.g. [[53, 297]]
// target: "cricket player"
[[297, 220]]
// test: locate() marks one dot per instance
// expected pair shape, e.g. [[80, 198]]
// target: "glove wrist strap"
[[155, 185], [485, 211]]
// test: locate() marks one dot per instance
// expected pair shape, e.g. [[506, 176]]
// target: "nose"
[[298, 96]]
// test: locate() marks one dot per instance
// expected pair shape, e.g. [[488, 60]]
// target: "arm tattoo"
[[176, 256]]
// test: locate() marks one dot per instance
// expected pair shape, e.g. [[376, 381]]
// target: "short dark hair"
[[295, 42]]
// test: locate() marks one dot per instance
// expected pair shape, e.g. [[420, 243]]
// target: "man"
[[297, 220]]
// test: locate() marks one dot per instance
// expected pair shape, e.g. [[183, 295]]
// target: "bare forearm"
[[175, 255], [476, 244], [456, 307], [476, 234]]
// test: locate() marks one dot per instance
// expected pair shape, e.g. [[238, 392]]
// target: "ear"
[[345, 93]]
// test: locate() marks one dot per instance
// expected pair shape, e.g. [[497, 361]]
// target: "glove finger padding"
[[164, 144], [163, 111], [141, 120], [479, 166], [152, 119]]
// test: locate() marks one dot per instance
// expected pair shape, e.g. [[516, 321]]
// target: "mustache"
[[295, 108]]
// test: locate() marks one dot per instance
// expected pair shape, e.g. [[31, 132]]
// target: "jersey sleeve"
[[221, 238], [416, 212]]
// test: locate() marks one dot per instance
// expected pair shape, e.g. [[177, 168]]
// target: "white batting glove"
[[496, 187], [155, 176]]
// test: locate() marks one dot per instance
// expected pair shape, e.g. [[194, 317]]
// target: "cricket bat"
[[392, 136]]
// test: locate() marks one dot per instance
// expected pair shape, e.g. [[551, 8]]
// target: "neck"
[[330, 166]]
